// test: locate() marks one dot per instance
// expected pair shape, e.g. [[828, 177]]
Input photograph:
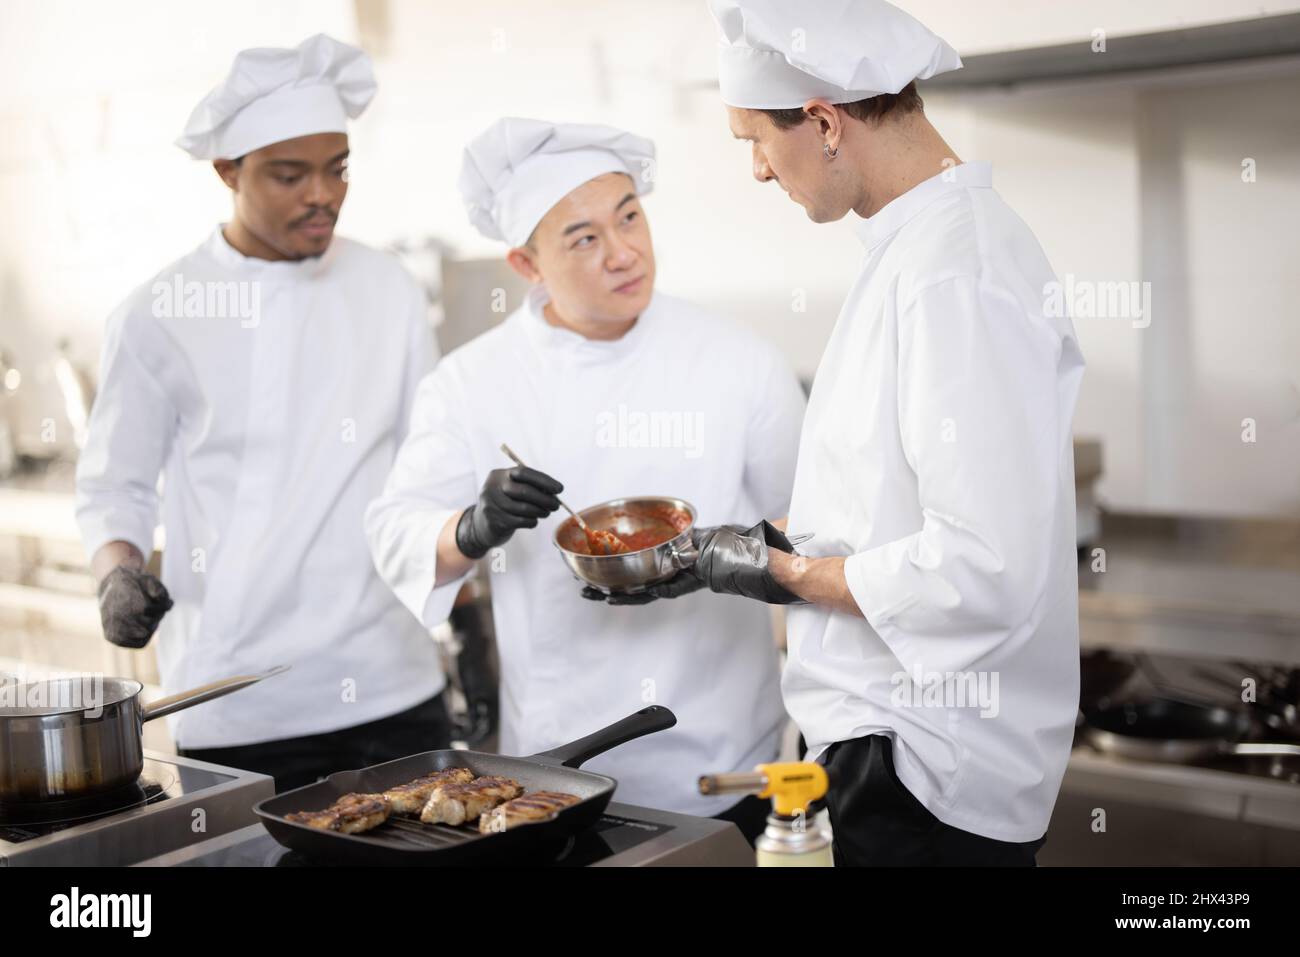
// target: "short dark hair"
[[871, 110]]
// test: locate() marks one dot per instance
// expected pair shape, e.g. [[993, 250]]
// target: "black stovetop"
[[609, 836]]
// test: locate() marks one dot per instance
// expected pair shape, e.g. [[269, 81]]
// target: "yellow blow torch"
[[790, 839]]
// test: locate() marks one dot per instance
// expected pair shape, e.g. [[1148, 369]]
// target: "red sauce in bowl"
[[663, 523]]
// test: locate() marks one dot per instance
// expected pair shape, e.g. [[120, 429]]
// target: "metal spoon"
[[600, 541]]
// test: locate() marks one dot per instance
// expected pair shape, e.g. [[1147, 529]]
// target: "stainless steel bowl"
[[630, 572]]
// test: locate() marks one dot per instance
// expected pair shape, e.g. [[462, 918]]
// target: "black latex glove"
[[732, 561], [131, 603], [683, 583], [511, 499]]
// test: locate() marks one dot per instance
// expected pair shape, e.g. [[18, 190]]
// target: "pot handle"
[[679, 559], [799, 538], [576, 753], [217, 689]]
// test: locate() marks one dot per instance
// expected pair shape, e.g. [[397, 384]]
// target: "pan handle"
[[186, 699], [576, 753]]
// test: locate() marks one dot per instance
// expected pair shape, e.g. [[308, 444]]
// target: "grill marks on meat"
[[528, 809], [455, 804], [410, 798], [350, 814], [452, 796]]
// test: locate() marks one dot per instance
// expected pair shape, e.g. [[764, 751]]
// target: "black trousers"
[[294, 762], [878, 823], [750, 815]]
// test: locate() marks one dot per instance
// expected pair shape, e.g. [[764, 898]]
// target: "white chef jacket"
[[937, 454], [273, 427], [728, 410]]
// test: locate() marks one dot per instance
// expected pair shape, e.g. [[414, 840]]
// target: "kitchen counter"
[[1117, 813]]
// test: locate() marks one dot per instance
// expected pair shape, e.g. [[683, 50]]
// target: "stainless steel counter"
[[1118, 813], [179, 802]]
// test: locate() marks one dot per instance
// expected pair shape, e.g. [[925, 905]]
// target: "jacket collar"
[[895, 215]]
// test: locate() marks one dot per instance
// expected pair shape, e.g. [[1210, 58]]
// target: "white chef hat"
[[778, 55], [517, 169], [273, 94]]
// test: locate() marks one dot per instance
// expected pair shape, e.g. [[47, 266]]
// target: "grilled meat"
[[457, 803], [411, 797], [528, 809], [350, 814]]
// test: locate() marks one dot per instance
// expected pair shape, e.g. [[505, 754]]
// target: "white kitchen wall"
[[1121, 181]]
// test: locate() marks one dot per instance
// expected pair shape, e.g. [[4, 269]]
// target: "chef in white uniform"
[[268, 376], [602, 383], [935, 665]]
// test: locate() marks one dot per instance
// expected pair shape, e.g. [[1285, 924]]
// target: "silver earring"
[[830, 153]]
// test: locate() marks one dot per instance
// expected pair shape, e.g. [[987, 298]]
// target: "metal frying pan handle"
[[186, 699], [576, 753]]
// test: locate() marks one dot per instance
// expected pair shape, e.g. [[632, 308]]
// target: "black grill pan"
[[407, 841]]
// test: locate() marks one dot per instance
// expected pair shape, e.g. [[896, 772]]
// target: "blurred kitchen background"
[[1144, 143]]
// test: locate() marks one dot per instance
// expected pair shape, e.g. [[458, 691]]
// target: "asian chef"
[[268, 376], [606, 388], [933, 663]]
